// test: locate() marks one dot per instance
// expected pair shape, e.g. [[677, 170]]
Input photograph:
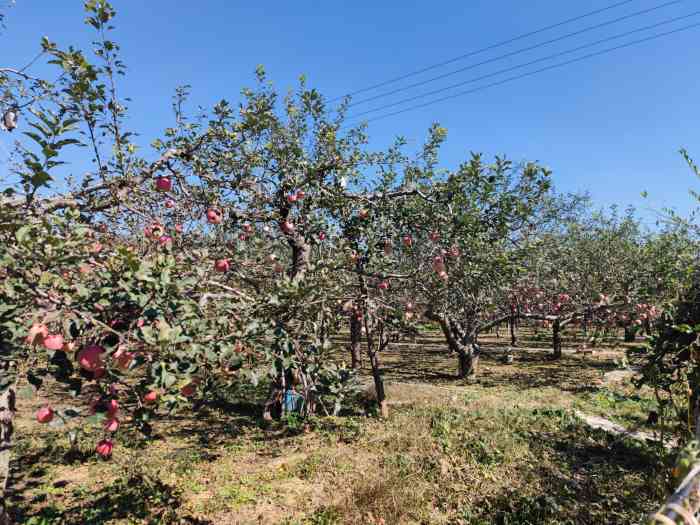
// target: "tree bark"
[[556, 339], [629, 334], [378, 383], [355, 342], [468, 361], [513, 337], [7, 411]]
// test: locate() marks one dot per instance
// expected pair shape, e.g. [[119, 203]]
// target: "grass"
[[506, 448]]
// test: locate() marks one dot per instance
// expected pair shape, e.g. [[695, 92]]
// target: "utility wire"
[[514, 53], [526, 64], [484, 49], [537, 71]]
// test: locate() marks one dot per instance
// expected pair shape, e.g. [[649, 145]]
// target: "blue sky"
[[611, 125]]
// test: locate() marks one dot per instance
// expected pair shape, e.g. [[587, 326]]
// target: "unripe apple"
[[104, 448], [44, 414], [214, 216], [164, 184], [222, 265], [53, 342]]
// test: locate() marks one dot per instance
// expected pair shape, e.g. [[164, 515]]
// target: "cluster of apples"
[[91, 359]]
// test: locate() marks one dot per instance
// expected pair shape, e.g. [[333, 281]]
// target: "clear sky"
[[611, 125]]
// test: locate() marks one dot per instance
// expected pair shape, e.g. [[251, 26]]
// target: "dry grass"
[[503, 449]]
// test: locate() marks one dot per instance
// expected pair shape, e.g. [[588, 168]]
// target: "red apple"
[[169, 203], [300, 195], [434, 236], [53, 342], [112, 424], [322, 236], [291, 198], [383, 285], [164, 184], [407, 241], [44, 414], [388, 248], [188, 390], [90, 358], [150, 397], [214, 216], [222, 265], [36, 335], [363, 213], [178, 228], [104, 448], [112, 407], [287, 227]]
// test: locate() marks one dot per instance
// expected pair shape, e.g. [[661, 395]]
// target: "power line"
[[484, 49], [514, 53], [537, 71], [526, 64]]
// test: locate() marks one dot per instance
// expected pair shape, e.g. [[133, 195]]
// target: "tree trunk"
[[300, 263], [556, 339], [378, 384], [629, 334], [355, 342], [7, 410], [468, 362], [513, 337]]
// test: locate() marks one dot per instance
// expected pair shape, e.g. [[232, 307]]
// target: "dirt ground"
[[505, 447]]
